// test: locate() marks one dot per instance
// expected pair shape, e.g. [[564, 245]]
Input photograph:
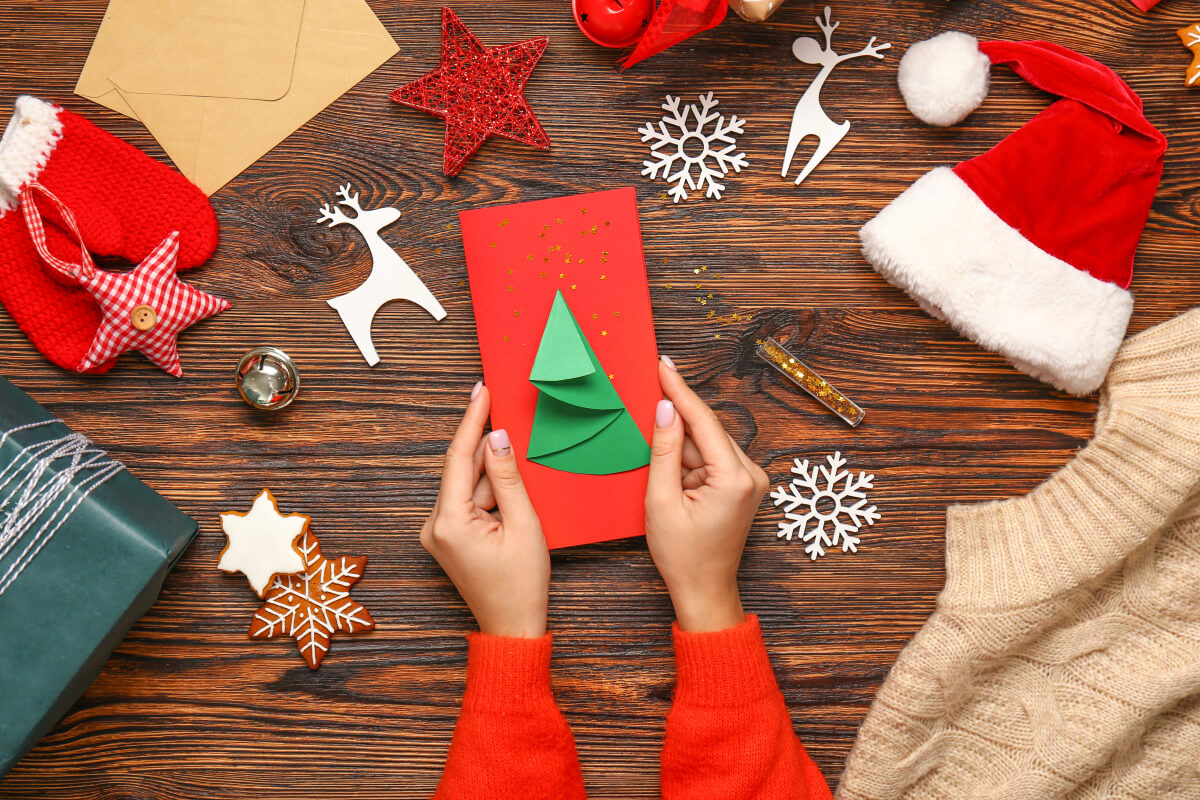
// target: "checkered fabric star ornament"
[[479, 92], [143, 310]]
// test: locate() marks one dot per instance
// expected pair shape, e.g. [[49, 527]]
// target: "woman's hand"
[[497, 560], [701, 497]]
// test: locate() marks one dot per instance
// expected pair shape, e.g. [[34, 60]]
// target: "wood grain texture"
[[189, 707]]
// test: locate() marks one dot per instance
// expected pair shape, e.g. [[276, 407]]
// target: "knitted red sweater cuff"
[[508, 675], [723, 667]]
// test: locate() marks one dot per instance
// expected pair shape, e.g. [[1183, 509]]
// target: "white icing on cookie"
[[262, 542]]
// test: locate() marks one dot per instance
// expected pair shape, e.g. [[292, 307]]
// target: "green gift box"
[[72, 603]]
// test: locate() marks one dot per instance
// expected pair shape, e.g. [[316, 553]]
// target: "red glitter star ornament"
[[479, 92]]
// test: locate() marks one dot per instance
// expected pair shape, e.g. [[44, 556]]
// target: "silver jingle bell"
[[267, 378]]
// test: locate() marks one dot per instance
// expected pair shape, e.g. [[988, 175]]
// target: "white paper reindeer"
[[390, 279], [810, 119]]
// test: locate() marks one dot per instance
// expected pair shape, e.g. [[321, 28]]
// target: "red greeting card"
[[567, 341]]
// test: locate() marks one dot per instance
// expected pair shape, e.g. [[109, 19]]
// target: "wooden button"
[[143, 317]]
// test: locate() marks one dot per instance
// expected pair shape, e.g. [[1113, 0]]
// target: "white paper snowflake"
[[691, 147], [837, 504]]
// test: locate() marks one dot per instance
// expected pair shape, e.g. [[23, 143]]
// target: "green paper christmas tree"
[[580, 424]]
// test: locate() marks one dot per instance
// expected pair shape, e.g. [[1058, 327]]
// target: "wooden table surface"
[[189, 707]]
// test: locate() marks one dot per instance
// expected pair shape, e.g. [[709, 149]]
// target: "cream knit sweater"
[[1063, 659]]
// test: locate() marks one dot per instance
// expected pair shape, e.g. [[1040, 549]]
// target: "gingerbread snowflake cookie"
[[1190, 36], [262, 542], [312, 605]]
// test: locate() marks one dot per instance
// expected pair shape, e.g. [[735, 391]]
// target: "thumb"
[[666, 454], [507, 486]]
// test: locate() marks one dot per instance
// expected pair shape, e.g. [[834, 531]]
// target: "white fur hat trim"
[[944, 79]]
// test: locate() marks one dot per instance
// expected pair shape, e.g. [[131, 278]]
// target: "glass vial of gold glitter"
[[803, 376]]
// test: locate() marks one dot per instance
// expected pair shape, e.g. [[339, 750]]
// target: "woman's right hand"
[[702, 494]]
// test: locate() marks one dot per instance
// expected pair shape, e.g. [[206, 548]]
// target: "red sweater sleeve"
[[511, 740], [728, 731]]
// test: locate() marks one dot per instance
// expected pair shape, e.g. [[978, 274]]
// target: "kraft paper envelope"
[[220, 82]]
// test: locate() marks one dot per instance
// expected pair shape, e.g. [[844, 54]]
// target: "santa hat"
[[1027, 249]]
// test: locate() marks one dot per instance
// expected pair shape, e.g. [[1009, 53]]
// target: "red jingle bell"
[[612, 23]]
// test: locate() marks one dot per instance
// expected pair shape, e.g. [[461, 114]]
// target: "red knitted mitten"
[[126, 202], [59, 320]]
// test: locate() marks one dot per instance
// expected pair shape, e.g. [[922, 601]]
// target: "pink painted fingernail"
[[664, 416], [667, 360], [475, 389], [498, 441]]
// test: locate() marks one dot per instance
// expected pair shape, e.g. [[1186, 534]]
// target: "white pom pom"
[[944, 79]]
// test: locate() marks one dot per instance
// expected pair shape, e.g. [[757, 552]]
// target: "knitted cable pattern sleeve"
[[1061, 662], [728, 732], [511, 740]]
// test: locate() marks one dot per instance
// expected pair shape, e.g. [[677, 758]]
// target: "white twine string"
[[40, 500]]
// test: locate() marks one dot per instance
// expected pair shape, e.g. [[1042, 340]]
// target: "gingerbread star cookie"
[[1190, 36], [314, 604], [262, 542]]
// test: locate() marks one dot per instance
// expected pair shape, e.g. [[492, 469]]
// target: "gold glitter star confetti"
[[666, 260], [603, 277], [543, 274], [510, 272], [607, 223], [529, 257], [583, 211], [506, 338], [560, 220], [604, 333], [511, 289], [562, 274], [595, 316], [449, 226], [501, 223], [573, 286], [516, 313], [610, 376], [493, 244], [616, 313], [438, 250]]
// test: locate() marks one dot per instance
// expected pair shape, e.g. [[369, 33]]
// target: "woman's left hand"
[[497, 560]]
